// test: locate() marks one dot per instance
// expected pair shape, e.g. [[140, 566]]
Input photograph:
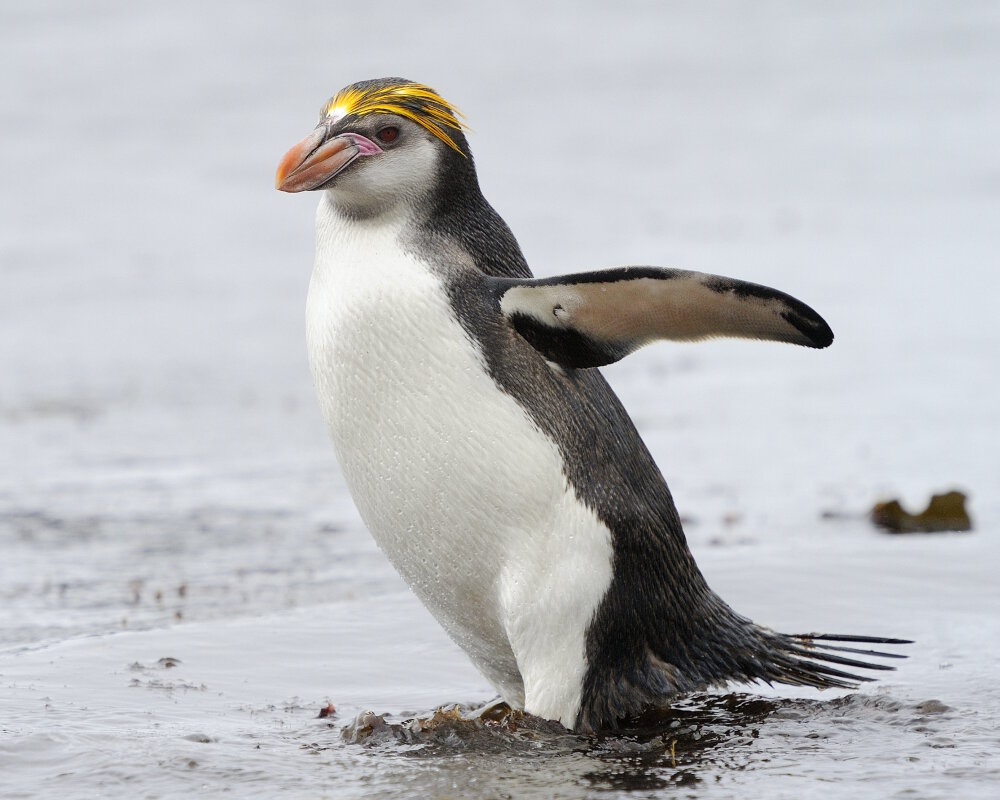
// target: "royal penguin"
[[488, 457]]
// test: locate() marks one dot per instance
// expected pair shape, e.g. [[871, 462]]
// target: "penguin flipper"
[[590, 319]]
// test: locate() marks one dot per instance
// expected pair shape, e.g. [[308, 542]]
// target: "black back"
[[659, 629]]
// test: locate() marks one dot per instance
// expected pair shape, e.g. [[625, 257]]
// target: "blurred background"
[[154, 393], [162, 457], [155, 403]]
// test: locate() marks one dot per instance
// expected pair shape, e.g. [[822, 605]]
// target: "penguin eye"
[[387, 135]]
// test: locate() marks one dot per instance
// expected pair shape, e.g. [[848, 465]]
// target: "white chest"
[[460, 489]]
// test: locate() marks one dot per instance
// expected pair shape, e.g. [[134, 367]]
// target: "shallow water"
[[184, 582], [235, 707]]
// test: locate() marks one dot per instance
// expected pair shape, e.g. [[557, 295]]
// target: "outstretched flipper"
[[595, 318]]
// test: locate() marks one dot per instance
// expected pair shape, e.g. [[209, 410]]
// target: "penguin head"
[[380, 145]]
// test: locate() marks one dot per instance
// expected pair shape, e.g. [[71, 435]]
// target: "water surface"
[[184, 582]]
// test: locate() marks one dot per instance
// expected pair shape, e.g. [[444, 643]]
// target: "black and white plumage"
[[495, 468]]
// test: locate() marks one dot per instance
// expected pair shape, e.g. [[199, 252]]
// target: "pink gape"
[[366, 147]]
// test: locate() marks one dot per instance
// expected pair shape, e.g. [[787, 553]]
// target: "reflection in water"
[[699, 738]]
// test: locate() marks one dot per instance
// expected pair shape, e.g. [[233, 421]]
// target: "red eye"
[[387, 135]]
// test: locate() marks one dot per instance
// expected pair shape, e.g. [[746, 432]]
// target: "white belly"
[[460, 489]]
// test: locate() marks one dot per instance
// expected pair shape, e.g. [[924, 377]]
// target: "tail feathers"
[[805, 659], [741, 651]]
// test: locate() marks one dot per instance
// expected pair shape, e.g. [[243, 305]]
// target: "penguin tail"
[[746, 652], [826, 660]]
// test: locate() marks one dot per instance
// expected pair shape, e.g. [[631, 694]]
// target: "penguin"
[[487, 455]]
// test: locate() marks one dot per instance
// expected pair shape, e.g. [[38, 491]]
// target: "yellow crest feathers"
[[414, 101]]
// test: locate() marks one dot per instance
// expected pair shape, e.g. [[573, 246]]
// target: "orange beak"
[[316, 160]]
